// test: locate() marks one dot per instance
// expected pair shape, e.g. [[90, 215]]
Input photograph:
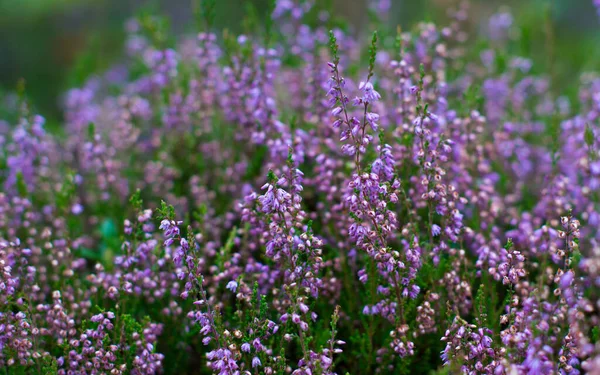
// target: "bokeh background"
[[56, 44]]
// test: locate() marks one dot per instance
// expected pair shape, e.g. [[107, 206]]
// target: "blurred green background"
[[54, 44]]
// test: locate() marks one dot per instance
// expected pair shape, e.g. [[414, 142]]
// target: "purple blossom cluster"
[[294, 200]]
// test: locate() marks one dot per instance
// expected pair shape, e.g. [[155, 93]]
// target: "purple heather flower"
[[232, 285], [97, 318], [566, 279], [369, 93], [412, 153], [77, 209], [303, 308]]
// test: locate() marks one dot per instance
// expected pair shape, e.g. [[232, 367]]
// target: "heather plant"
[[297, 200]]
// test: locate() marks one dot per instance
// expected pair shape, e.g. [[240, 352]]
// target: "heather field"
[[303, 194]]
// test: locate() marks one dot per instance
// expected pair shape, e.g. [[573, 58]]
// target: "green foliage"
[[204, 12], [595, 334], [100, 51], [64, 196], [154, 26], [49, 365], [225, 253], [481, 309], [165, 211], [129, 327], [372, 55], [21, 184], [333, 46], [91, 131], [136, 201], [269, 22]]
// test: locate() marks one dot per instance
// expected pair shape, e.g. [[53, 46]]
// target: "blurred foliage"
[[30, 8], [57, 44]]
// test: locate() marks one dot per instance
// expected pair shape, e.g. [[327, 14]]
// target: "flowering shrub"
[[290, 200]]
